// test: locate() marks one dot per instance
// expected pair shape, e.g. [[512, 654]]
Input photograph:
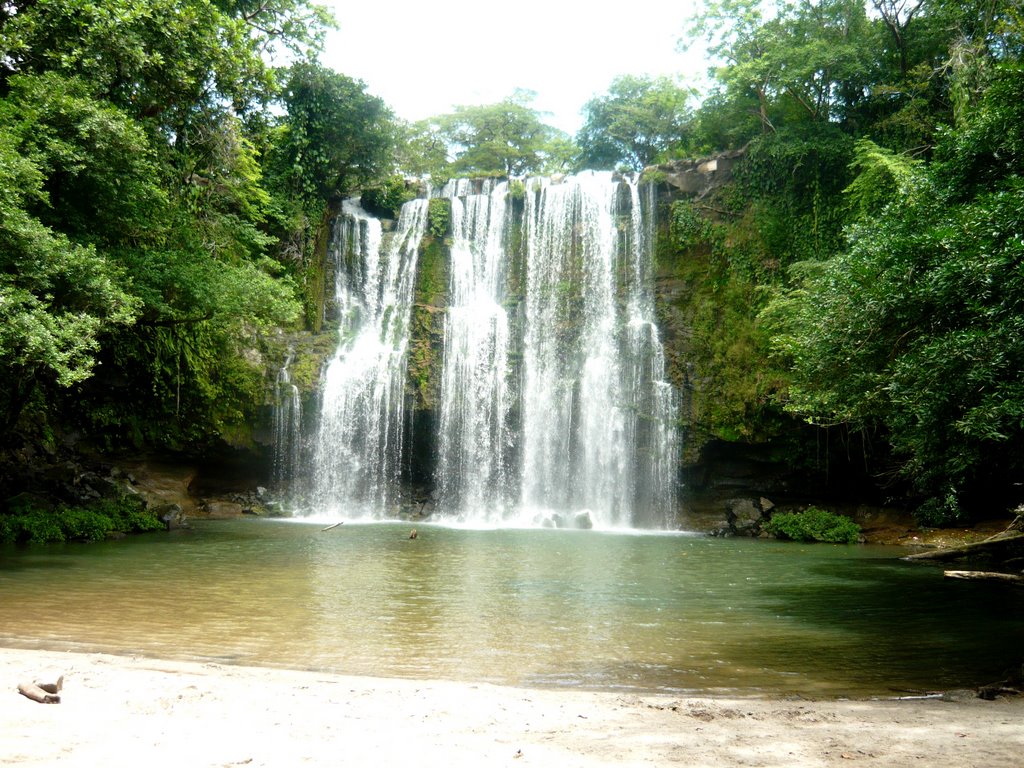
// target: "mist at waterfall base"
[[552, 404]]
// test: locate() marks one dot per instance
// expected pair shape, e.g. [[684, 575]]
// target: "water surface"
[[526, 607]]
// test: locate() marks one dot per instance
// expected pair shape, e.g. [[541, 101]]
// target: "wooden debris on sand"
[[44, 693]]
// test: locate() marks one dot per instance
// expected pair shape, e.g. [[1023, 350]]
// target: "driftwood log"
[[44, 693], [1003, 548], [1011, 578]]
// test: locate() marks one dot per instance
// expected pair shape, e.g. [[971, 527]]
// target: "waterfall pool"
[[590, 609]]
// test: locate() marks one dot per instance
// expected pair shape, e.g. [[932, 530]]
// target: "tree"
[[137, 265], [100, 180], [503, 139], [423, 151], [798, 61], [637, 121], [160, 59], [335, 137], [917, 327], [56, 298]]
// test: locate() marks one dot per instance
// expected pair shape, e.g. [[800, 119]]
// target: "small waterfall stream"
[[553, 406], [287, 427]]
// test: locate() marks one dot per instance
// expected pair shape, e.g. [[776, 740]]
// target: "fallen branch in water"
[[986, 575], [329, 527]]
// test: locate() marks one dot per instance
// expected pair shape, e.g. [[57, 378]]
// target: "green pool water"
[[589, 609]]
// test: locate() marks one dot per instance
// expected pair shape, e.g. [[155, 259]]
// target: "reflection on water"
[[534, 607]]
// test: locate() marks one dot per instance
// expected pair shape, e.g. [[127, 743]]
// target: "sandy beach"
[[131, 711]]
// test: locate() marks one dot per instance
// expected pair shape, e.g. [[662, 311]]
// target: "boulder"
[[582, 520], [745, 516], [172, 516]]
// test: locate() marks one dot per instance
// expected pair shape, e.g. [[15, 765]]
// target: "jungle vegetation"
[[162, 186]]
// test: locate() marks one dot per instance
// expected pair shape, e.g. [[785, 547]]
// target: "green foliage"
[[164, 61], [990, 147], [28, 524], [880, 177], [423, 151], [503, 139], [796, 62], [100, 180], [335, 138], [814, 524], [79, 524], [917, 327], [439, 213], [56, 298], [31, 526], [796, 180], [940, 510], [715, 267], [688, 228], [875, 218], [148, 231], [387, 198], [637, 122]]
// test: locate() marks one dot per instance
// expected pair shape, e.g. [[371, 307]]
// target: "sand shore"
[[128, 711]]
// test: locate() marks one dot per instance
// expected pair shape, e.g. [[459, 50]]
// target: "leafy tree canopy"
[[56, 297], [635, 123], [503, 139], [136, 216], [917, 326], [335, 138]]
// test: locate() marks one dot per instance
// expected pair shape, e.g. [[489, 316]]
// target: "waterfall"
[[594, 440], [287, 426], [552, 403], [594, 397], [358, 447], [655, 404]]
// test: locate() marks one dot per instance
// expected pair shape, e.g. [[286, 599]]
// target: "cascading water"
[[474, 441], [655, 405], [595, 442], [592, 360], [358, 448], [552, 404]]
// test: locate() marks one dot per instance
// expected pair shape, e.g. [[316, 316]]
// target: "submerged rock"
[[582, 520]]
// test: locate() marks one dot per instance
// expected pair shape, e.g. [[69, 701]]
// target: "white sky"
[[423, 57]]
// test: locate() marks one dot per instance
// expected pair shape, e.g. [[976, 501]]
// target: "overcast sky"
[[423, 57]]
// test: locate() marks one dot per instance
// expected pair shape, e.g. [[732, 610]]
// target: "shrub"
[[439, 212], [387, 199], [93, 522], [128, 514], [33, 526], [814, 524], [83, 524]]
